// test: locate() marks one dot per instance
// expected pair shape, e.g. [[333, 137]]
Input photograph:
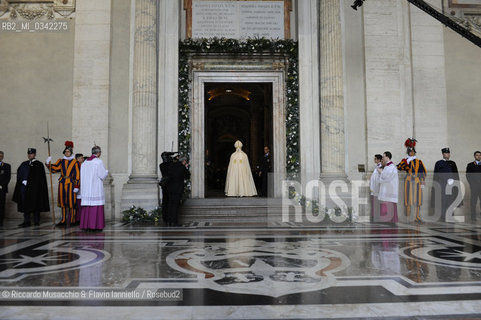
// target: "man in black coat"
[[445, 176], [5, 175], [264, 169], [177, 172], [473, 174], [31, 191], [164, 170]]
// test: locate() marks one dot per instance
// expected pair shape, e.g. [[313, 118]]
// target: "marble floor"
[[198, 271]]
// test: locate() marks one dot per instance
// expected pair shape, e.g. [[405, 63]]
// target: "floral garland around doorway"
[[288, 48]]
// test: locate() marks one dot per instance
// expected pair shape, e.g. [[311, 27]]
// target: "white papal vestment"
[[239, 182]]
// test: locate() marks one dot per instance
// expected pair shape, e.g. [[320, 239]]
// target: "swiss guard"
[[415, 178], [68, 183]]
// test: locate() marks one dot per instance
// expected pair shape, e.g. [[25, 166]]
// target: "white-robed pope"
[[239, 182]]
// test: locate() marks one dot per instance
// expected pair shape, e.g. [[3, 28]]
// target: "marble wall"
[[388, 64], [35, 87], [463, 76]]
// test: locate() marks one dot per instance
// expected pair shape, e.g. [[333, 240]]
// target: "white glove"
[[1, 187], [24, 182], [49, 159], [75, 190], [450, 181]]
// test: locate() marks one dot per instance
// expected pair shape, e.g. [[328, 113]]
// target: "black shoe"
[[24, 225], [60, 224], [36, 224]]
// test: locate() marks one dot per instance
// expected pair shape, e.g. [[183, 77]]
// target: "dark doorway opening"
[[235, 111]]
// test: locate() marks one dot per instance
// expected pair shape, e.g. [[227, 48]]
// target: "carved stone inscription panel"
[[238, 19]]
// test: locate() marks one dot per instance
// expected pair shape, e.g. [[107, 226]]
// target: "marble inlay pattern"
[[364, 270]]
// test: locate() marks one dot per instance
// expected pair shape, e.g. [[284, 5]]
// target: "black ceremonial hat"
[[445, 150], [31, 150]]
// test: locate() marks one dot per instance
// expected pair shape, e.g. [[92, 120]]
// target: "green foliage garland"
[[288, 48], [140, 215]]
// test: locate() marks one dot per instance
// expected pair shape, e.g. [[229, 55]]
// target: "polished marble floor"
[[199, 271]]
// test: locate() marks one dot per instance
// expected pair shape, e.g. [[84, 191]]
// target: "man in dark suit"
[[264, 169], [5, 175], [177, 172], [164, 181], [473, 174], [31, 191], [445, 174]]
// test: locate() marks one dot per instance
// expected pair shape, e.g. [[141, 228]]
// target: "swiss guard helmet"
[[410, 143], [68, 146]]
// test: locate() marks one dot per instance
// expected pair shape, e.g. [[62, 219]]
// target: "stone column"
[[331, 90], [141, 189], [308, 22]]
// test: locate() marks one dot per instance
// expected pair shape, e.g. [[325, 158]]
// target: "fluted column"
[[331, 90], [144, 106]]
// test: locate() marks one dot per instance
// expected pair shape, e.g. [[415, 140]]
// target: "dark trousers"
[[2, 206], [173, 207], [264, 184], [36, 217], [165, 204], [475, 196]]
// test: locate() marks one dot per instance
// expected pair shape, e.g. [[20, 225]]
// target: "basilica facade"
[[326, 87]]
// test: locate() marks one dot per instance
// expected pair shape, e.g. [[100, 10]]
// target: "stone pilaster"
[[91, 83], [331, 90], [168, 75], [141, 189], [308, 22], [91, 77]]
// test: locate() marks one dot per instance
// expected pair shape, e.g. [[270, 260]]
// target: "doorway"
[[235, 111], [253, 78]]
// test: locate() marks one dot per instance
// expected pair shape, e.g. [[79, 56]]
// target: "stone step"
[[234, 210], [248, 201]]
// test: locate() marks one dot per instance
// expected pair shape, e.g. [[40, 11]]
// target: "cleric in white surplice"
[[92, 175], [388, 189]]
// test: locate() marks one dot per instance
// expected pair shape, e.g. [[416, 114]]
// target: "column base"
[[330, 177], [109, 206], [355, 200], [140, 191]]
